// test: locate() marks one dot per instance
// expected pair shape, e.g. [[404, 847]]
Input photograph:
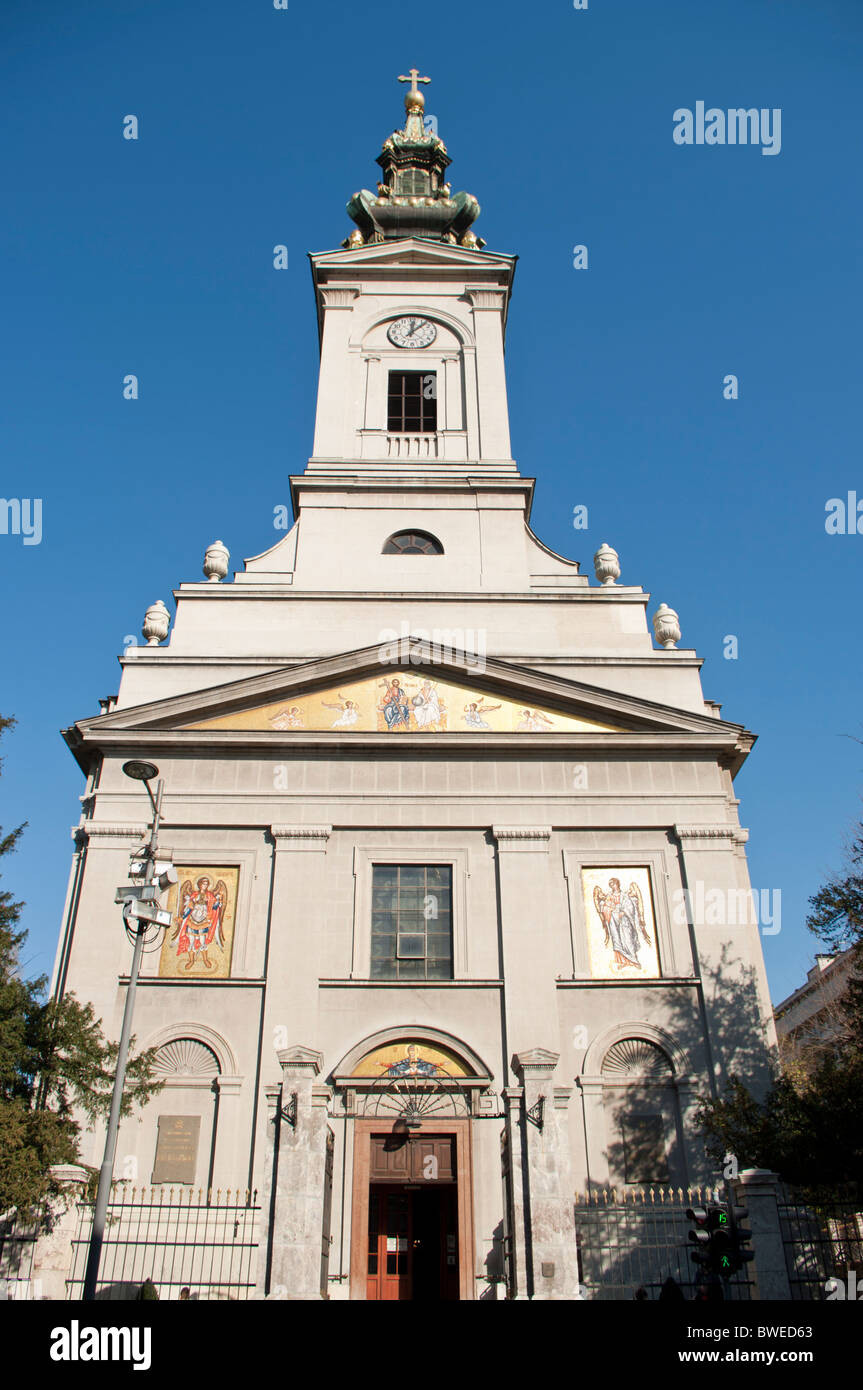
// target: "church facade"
[[444, 816]]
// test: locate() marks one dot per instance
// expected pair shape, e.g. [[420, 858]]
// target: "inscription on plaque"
[[177, 1148]]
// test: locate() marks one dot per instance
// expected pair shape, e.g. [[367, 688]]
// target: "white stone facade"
[[305, 814]]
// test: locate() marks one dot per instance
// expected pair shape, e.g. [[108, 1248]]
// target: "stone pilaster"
[[551, 1251], [232, 1149], [531, 935], [594, 1130], [293, 1198], [519, 1215], [296, 926], [488, 307]]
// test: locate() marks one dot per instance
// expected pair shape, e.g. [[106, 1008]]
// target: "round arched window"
[[412, 543]]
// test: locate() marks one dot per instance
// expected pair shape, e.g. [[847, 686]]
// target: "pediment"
[[412, 251], [409, 689], [405, 699]]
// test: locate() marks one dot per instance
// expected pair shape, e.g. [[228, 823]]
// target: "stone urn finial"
[[606, 564], [216, 560], [666, 626], [157, 620]]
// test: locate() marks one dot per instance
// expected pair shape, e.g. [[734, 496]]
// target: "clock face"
[[412, 333]]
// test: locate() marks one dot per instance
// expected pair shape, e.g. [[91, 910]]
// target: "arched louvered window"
[[412, 543]]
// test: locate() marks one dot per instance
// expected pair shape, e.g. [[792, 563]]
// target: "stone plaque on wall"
[[177, 1148]]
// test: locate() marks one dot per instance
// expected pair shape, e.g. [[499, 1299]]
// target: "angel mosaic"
[[624, 923], [473, 713], [349, 711], [288, 719], [199, 920], [533, 721]]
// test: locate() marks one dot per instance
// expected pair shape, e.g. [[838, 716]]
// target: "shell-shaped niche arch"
[[634, 1059], [185, 1057]]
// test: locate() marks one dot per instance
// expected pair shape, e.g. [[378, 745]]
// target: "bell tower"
[[412, 320]]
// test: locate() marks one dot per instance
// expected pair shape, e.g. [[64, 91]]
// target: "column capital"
[[765, 1178], [483, 298], [340, 296], [70, 1173], [735, 833], [301, 837], [522, 837], [590, 1085], [300, 1061], [537, 1064], [109, 830], [228, 1085]]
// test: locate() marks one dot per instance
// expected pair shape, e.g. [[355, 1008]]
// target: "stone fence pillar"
[[52, 1256], [759, 1191]]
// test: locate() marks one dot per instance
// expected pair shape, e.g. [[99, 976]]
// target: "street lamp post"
[[140, 772]]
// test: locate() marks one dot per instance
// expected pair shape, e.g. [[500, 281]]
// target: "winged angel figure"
[[199, 920], [622, 918]]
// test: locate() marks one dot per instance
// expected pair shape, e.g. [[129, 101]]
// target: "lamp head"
[[140, 771]]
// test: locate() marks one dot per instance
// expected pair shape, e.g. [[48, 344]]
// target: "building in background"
[[810, 1021], [463, 924]]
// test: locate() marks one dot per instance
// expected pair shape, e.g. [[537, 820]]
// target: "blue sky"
[[155, 257]]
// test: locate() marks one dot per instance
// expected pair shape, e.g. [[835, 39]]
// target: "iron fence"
[[18, 1236], [638, 1238], [203, 1242], [823, 1240]]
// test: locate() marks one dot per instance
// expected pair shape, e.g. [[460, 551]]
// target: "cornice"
[[513, 838], [301, 832], [109, 830], [735, 833], [581, 592]]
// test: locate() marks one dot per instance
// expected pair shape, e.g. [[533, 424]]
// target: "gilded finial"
[[414, 99]]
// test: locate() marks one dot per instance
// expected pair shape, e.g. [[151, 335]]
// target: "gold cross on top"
[[413, 79]]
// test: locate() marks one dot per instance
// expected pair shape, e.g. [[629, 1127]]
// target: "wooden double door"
[[413, 1241]]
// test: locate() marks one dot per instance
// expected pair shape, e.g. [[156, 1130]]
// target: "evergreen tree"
[[54, 1063]]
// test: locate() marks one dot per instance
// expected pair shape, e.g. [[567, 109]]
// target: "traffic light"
[[712, 1236], [700, 1234], [740, 1238]]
